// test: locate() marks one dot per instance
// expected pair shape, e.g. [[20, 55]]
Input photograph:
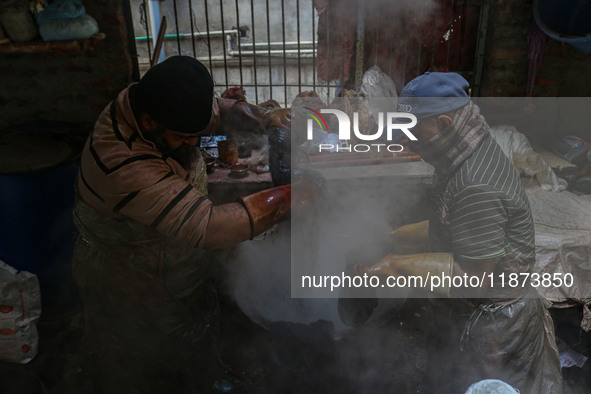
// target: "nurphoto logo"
[[389, 122]]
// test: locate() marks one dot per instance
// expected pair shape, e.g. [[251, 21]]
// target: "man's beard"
[[185, 155]]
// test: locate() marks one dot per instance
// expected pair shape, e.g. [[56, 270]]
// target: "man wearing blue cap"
[[480, 226], [142, 262]]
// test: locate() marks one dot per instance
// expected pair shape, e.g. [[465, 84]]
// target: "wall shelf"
[[52, 46]]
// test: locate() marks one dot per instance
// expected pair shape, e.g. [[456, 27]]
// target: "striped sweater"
[[122, 175], [483, 212]]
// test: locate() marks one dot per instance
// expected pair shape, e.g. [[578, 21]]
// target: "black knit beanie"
[[177, 93]]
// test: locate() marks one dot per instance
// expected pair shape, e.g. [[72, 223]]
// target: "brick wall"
[[564, 71], [505, 66], [70, 87]]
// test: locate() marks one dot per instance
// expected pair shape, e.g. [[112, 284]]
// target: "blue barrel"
[[566, 20], [37, 233]]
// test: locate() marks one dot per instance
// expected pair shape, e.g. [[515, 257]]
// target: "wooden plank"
[[52, 46], [561, 167], [159, 41], [365, 161]]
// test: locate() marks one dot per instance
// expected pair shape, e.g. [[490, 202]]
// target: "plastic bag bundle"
[[490, 386], [376, 84], [60, 9], [17, 21], [80, 28], [518, 149], [20, 308], [66, 20]]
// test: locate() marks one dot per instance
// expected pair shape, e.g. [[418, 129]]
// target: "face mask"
[[435, 150]]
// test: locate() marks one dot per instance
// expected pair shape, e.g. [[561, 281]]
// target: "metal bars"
[[270, 47], [254, 50], [269, 51], [192, 27], [223, 43]]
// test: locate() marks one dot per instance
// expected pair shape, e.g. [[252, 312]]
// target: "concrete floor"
[[252, 359], [284, 359]]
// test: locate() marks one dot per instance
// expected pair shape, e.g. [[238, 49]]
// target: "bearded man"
[[142, 262]]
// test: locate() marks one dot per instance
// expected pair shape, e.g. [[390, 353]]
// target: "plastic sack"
[[518, 149], [60, 9], [20, 308], [563, 236], [17, 22], [79, 28], [514, 342], [376, 87], [491, 386]]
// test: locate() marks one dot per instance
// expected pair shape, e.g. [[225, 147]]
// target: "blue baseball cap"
[[434, 93]]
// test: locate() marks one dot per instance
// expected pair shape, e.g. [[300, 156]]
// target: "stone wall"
[[69, 87]]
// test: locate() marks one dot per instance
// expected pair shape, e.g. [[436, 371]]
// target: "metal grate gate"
[[271, 48]]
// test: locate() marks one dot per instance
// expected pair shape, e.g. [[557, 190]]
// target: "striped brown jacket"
[[123, 175]]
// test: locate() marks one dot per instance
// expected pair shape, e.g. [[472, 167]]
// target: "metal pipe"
[[256, 89], [192, 28], [327, 52], [147, 18], [284, 54], [314, 49], [274, 52], [217, 33], [224, 44], [233, 52], [287, 44], [299, 48], [176, 21], [341, 89], [239, 46], [269, 52], [208, 38], [248, 60]]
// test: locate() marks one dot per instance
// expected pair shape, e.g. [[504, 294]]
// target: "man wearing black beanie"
[[142, 262]]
